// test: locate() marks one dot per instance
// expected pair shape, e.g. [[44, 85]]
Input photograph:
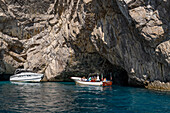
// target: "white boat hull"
[[90, 83], [26, 77]]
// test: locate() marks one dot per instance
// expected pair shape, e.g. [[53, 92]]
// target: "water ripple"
[[68, 97]]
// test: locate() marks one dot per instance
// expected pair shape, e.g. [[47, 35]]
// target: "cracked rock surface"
[[63, 38]]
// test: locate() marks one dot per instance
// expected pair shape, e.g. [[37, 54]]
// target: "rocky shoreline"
[[157, 85]]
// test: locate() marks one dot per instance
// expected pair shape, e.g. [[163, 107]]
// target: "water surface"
[[71, 98]]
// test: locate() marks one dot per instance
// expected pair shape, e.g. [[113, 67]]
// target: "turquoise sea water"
[[71, 98]]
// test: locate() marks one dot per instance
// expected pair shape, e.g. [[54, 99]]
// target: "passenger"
[[105, 79], [92, 79], [95, 79], [84, 78], [98, 79], [89, 78]]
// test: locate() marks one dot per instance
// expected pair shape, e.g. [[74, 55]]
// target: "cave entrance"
[[118, 75], [5, 77]]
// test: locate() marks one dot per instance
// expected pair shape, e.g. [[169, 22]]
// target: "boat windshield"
[[21, 71]]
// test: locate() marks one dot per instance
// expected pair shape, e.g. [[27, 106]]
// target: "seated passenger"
[[95, 79], [105, 79], [92, 79], [89, 78], [84, 79], [98, 79]]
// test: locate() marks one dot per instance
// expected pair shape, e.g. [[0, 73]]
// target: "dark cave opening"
[[120, 77], [5, 77], [117, 74]]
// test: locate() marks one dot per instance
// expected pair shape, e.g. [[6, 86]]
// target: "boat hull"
[[26, 77], [89, 83], [107, 83], [28, 80]]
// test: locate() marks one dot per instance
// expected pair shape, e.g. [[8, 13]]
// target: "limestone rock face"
[[77, 37]]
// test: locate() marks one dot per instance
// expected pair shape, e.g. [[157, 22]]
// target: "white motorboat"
[[81, 81], [22, 75]]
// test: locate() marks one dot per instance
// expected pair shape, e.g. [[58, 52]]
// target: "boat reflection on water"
[[93, 88], [25, 83]]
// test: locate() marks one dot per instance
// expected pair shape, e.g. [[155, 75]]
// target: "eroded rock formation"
[[62, 38]]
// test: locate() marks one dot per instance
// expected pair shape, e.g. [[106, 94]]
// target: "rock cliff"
[[63, 38]]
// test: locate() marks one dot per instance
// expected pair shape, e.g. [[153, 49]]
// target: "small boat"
[[22, 75], [79, 81], [107, 83]]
